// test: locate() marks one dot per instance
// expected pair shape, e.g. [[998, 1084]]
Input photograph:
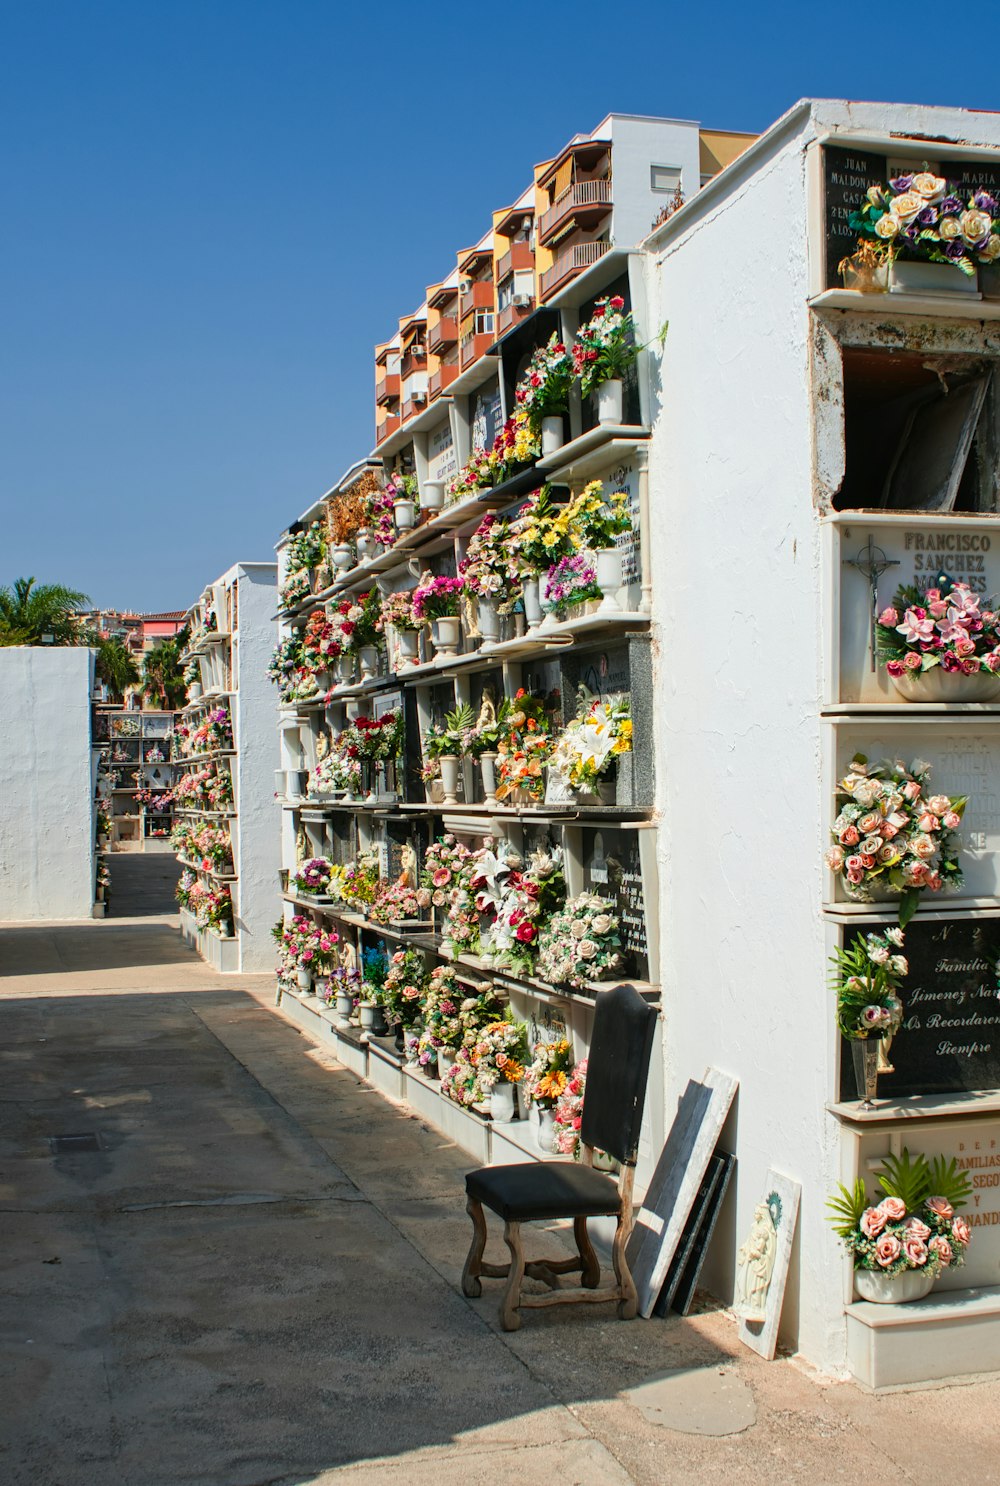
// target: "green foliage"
[[116, 667], [906, 1177], [846, 1209], [949, 1182], [27, 612], [163, 681]]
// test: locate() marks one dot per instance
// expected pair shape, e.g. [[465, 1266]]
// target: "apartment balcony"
[[442, 379], [512, 314], [386, 427], [473, 346], [521, 256], [586, 201], [413, 405], [569, 264], [415, 359], [387, 390], [442, 335], [478, 296]]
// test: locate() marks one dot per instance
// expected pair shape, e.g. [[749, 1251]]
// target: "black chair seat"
[[529, 1191]]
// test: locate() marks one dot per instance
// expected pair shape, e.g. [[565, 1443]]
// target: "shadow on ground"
[[210, 1296]]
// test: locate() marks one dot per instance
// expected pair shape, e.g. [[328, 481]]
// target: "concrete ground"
[[254, 1279]]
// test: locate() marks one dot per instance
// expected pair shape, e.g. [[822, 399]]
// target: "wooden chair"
[[545, 1190]]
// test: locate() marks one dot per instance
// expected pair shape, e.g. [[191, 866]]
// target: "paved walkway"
[[253, 1279]]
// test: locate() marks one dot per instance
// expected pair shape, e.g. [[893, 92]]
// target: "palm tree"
[[163, 675], [116, 666], [29, 613]]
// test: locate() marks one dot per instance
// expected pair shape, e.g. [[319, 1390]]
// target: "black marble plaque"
[[692, 1251], [971, 176], [604, 673], [950, 1037], [847, 174], [612, 868]]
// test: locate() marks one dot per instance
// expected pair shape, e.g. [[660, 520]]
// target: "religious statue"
[[408, 863], [322, 746], [756, 1265], [487, 713], [302, 851]]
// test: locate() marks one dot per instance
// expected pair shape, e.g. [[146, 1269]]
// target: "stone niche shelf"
[[919, 1107], [940, 306], [222, 954], [964, 760], [949, 1334]]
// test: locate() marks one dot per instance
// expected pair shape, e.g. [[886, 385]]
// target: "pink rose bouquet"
[[915, 1226], [890, 833], [946, 626]]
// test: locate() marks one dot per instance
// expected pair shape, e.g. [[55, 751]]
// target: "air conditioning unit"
[[420, 397], [521, 301]]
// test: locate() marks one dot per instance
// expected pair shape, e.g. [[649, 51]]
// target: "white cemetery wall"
[[259, 755], [47, 862], [736, 561]]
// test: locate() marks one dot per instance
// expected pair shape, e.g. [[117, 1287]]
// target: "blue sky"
[[213, 208]]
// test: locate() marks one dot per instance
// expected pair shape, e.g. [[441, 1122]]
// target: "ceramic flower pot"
[[404, 513], [343, 1005], [502, 1102], [893, 1289], [530, 585], [447, 634], [939, 685], [450, 766], [369, 1015], [432, 495], [488, 620], [488, 767], [545, 1134], [345, 672], [368, 656], [434, 792], [366, 545], [343, 556], [324, 682], [931, 278], [194, 691], [409, 647], [225, 930], [610, 401], [608, 566], [552, 434], [445, 1060], [303, 979]]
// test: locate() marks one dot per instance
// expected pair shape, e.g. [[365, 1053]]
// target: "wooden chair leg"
[[510, 1318], [628, 1298], [474, 1263], [590, 1264]]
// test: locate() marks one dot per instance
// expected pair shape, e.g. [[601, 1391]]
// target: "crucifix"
[[871, 562]]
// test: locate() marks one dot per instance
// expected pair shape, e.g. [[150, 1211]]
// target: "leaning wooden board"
[[701, 1114]]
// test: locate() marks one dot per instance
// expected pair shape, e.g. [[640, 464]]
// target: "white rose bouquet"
[[580, 943], [922, 216], [890, 834]]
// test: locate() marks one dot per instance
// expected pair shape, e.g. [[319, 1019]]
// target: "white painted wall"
[[738, 681], [47, 844], [258, 842], [739, 607], [637, 144]]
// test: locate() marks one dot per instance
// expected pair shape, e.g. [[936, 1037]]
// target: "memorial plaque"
[[688, 1283], [613, 869], [702, 1206], [604, 673], [847, 175], [950, 1037]]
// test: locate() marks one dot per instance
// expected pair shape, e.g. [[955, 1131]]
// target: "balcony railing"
[[441, 380], [443, 334], [478, 296], [415, 359], [386, 427], [414, 404], [472, 347], [387, 390], [512, 314], [570, 263], [583, 198], [519, 256]]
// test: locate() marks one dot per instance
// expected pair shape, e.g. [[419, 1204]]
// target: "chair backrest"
[[617, 1068]]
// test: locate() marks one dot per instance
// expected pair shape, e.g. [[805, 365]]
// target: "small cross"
[[871, 562]]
